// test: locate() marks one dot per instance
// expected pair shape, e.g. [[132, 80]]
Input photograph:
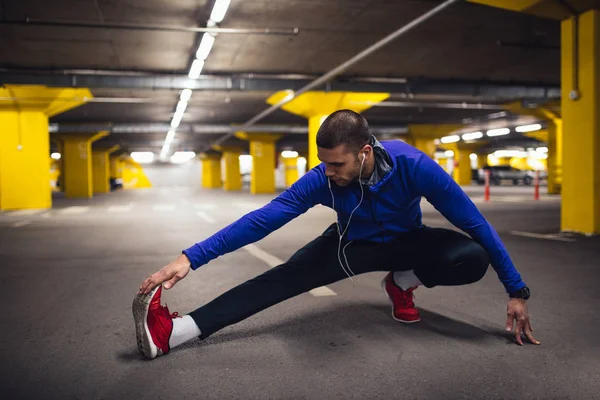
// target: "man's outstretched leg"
[[312, 266]]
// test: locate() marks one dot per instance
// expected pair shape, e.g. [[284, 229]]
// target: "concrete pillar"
[[211, 170], [77, 170], [316, 106], [581, 124], [291, 170], [25, 142], [101, 169], [231, 164]]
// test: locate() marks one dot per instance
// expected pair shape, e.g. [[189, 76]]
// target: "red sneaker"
[[403, 308], [153, 323]]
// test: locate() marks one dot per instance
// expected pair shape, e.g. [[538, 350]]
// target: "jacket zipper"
[[372, 205]]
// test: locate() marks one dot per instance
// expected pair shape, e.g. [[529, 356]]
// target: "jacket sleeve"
[[252, 227], [438, 187]]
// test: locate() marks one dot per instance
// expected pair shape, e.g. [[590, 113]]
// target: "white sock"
[[184, 329], [406, 279]]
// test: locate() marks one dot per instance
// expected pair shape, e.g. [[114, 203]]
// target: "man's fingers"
[[172, 282], [529, 335], [518, 332], [509, 322]]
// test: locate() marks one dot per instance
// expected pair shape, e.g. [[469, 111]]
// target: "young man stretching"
[[375, 189]]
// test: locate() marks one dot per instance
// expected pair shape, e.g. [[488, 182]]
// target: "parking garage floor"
[[69, 276]]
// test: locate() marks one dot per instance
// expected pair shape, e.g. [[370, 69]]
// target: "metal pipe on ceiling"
[[172, 28], [345, 65], [199, 129]]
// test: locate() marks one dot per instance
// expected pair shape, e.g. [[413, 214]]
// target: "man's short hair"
[[344, 127]]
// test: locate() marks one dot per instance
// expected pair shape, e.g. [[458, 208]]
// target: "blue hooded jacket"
[[389, 207]]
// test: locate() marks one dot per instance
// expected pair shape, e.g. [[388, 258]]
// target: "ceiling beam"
[[273, 83]]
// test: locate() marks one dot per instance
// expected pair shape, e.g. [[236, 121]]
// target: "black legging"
[[438, 256]]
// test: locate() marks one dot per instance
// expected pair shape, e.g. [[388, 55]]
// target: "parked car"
[[505, 172]]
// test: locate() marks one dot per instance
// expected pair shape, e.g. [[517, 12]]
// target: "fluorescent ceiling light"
[[142, 157], [473, 135], [181, 106], [510, 153], [180, 157], [498, 132], [176, 120], [170, 136], [186, 94], [206, 45], [450, 139], [219, 10], [528, 128], [449, 153], [55, 156], [196, 69], [289, 154], [542, 149]]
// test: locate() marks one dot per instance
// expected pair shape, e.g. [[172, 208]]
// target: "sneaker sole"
[[141, 302], [390, 300]]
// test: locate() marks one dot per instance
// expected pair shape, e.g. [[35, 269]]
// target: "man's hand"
[[517, 312], [174, 272]]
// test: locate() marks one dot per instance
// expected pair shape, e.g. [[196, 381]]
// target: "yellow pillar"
[[481, 160], [316, 106], [262, 150], [101, 169], [230, 159], [25, 142], [462, 170], [76, 172], [555, 156], [581, 124], [211, 170], [116, 167], [133, 175], [291, 170], [462, 163]]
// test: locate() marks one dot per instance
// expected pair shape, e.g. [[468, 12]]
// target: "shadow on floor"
[[346, 323]]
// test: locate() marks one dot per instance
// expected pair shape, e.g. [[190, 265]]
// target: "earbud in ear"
[[363, 156]]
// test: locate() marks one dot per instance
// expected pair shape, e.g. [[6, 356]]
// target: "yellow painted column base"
[[231, 164], [101, 169], [211, 171], [291, 170]]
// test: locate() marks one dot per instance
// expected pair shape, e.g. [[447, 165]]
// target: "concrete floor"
[[69, 276]]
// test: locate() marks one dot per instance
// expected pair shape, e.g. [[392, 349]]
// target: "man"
[[376, 189]]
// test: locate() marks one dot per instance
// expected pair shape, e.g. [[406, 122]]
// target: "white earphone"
[[340, 233]]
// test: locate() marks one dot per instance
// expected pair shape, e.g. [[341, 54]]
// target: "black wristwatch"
[[523, 293]]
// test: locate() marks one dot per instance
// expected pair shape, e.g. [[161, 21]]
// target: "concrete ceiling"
[[467, 43]]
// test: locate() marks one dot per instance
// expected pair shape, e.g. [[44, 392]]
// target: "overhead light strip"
[[206, 44]]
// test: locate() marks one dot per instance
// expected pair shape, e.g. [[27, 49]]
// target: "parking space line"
[[117, 209], [206, 217], [547, 236], [163, 207], [273, 261], [74, 210], [24, 212], [205, 206], [20, 224]]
